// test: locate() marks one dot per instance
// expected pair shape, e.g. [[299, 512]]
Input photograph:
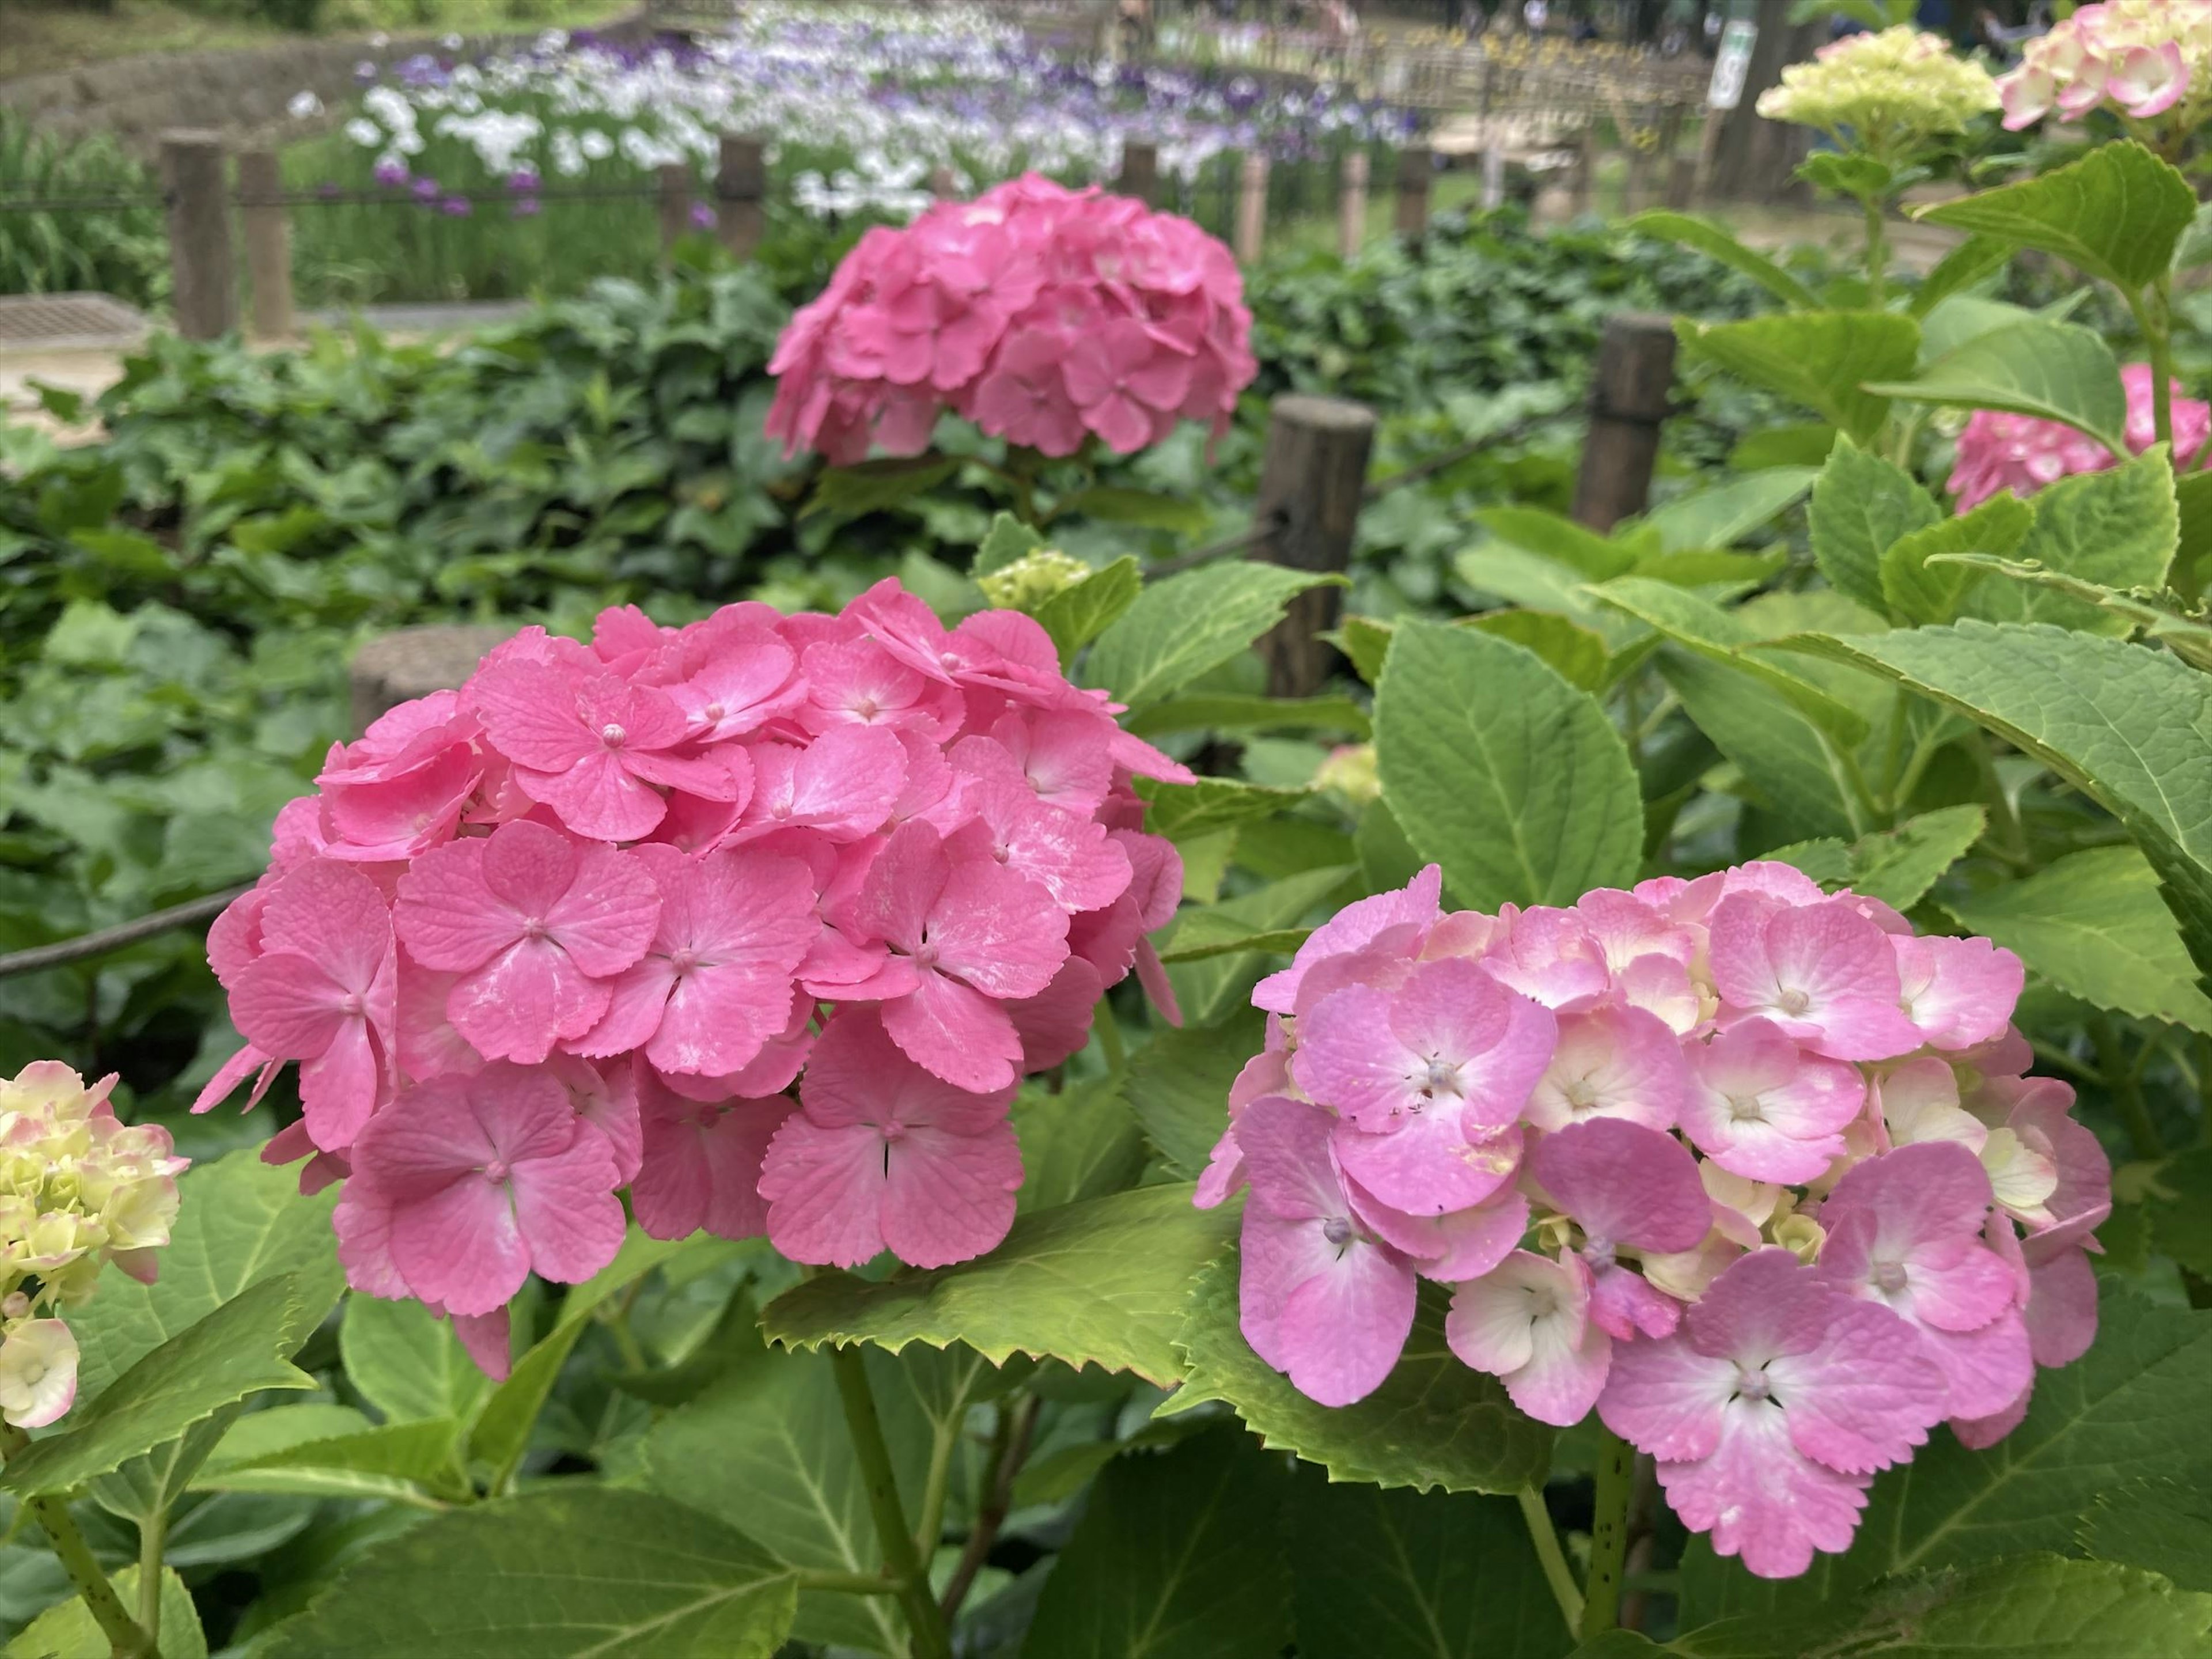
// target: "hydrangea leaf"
[[2161, 1525], [1960, 268], [587, 1572], [1083, 1142], [1076, 616], [1498, 770], [2164, 617], [1403, 1575], [2047, 370], [67, 1629], [1820, 359], [1577, 654], [1178, 1556], [415, 1462], [1592, 557], [2092, 924], [1209, 988], [1433, 1423], [1718, 514], [1178, 1085], [2116, 214], [1862, 505], [1787, 761], [1714, 241], [240, 1349], [407, 1363], [1102, 1282], [1898, 865], [1927, 592], [1179, 628], [1179, 810], [1224, 711], [2179, 1204], [2117, 529]]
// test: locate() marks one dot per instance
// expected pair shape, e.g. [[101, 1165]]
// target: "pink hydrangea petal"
[[517, 1006], [949, 1197], [1335, 1319], [1428, 1164], [1761, 1499], [485, 1338], [1625, 1183], [1865, 1396], [1628, 1305], [959, 1033], [1348, 929], [2062, 1308], [1668, 1399], [461, 1246], [1460, 1244], [1611, 1062], [823, 1186]]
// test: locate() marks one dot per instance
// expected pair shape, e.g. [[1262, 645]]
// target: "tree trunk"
[[1756, 158]]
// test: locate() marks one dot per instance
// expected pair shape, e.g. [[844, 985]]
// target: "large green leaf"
[[1591, 557], [2130, 726], [1403, 1575], [1209, 988], [1821, 359], [1973, 260], [2161, 1525], [1718, 514], [1083, 1142], [2115, 214], [2053, 370], [1577, 654], [415, 1462], [1102, 1282], [1898, 865], [585, 1572], [1929, 593], [1498, 770], [1178, 1556], [1223, 711], [1077, 615], [67, 1629], [1434, 1422], [2092, 924], [1788, 763], [1178, 1085], [1179, 628], [2164, 617], [407, 1363], [2117, 529], [1715, 241], [1861, 504], [240, 1349], [1181, 811]]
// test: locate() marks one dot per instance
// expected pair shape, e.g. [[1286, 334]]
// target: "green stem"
[[1877, 263], [1550, 1557], [2125, 1082], [2011, 840], [849, 1583], [153, 1536], [901, 1563], [1616, 1485], [127, 1638], [2153, 315]]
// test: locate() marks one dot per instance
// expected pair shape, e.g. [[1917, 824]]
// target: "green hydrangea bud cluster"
[[1031, 580], [1886, 93]]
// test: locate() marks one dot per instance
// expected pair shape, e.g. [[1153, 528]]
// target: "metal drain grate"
[[59, 322]]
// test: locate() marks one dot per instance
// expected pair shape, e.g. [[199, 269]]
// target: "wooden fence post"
[[413, 662], [1251, 207], [268, 244], [675, 204], [204, 272], [1351, 205], [1310, 486], [1493, 177], [740, 183], [1140, 171], [1586, 170], [1629, 399], [942, 185], [1416, 167]]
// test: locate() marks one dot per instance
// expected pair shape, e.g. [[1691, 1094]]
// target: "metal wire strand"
[[65, 951]]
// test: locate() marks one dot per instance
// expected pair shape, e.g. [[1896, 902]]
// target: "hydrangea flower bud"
[[1888, 94], [1031, 580]]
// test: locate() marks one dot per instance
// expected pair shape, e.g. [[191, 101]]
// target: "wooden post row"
[[1311, 481], [268, 244], [203, 271], [1351, 205], [740, 183], [1416, 170], [1251, 208], [1628, 400]]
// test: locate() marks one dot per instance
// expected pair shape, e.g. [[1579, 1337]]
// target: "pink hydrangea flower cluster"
[[582, 925], [1045, 315], [1752, 1169], [2022, 455], [2142, 58]]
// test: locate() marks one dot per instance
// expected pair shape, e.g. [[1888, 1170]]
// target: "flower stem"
[[1550, 1557], [153, 1536], [2153, 315], [1616, 1485], [924, 1623], [128, 1639], [1877, 266]]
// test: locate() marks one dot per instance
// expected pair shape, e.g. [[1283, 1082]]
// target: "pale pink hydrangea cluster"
[[1045, 315], [582, 924], [1752, 1169], [2022, 455], [2142, 58]]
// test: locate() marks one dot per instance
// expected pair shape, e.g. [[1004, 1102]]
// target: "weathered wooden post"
[[1416, 170], [1494, 176], [268, 244], [1351, 205], [413, 662], [1140, 171], [942, 185], [1629, 399], [1311, 483], [204, 272], [1251, 207], [674, 202], [1586, 170], [740, 183]]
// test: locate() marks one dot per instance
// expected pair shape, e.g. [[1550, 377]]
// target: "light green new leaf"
[[1973, 259], [2050, 370], [1821, 359], [1721, 514], [1102, 1282], [238, 1350], [1498, 770], [1180, 628], [1862, 505], [1575, 654], [2127, 725], [1433, 1423], [1178, 1085], [2092, 924], [1962, 318], [1178, 1556], [583, 1571], [500, 1433], [1927, 592], [1229, 712], [1076, 616], [2116, 214], [1715, 241], [1402, 1575], [1181, 811], [413, 1462], [67, 1629], [2159, 617], [1824, 858], [1591, 557], [407, 1363], [2160, 1525], [1007, 541], [1898, 865], [1704, 568], [2116, 528]]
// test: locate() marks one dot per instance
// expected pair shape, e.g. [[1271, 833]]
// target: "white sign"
[[1726, 91]]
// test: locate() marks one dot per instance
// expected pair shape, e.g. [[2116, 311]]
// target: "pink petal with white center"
[[2146, 80], [747, 683], [1549, 955], [1349, 929], [1919, 1101], [1611, 1061], [1663, 987], [1865, 1396], [1823, 973], [1762, 1109], [1526, 1323], [1763, 1500], [1627, 930], [1063, 753], [1958, 992], [1626, 1305], [1666, 1398], [1766, 1304], [1905, 1229], [1625, 1183], [1459, 1245]]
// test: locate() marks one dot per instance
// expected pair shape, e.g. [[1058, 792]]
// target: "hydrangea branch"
[[1549, 1556], [130, 1639], [1616, 1485], [901, 1562]]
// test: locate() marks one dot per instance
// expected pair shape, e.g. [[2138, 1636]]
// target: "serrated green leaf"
[[2159, 617], [1820, 359], [500, 1433], [1898, 865], [1965, 266], [1721, 514], [67, 1629], [1207, 989], [2049, 370], [1179, 628], [238, 1350], [1496, 768], [1178, 1086], [1716, 242], [878, 485], [2116, 528], [1083, 1142], [413, 1462], [1101, 1282], [407, 1363], [1862, 505], [2092, 924], [1113, 504], [1181, 811], [587, 1572], [1177, 1557], [1787, 762], [1927, 592], [1227, 712], [2116, 214], [1076, 616], [1574, 653], [1824, 858], [1208, 933], [1552, 536], [1007, 540], [1433, 1423]]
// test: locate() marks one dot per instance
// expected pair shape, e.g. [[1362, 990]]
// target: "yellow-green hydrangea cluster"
[[1350, 771], [78, 1189], [1887, 94], [1031, 580]]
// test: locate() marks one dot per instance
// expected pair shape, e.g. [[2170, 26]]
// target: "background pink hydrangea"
[[2022, 455], [1750, 1169], [763, 919], [1047, 316]]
